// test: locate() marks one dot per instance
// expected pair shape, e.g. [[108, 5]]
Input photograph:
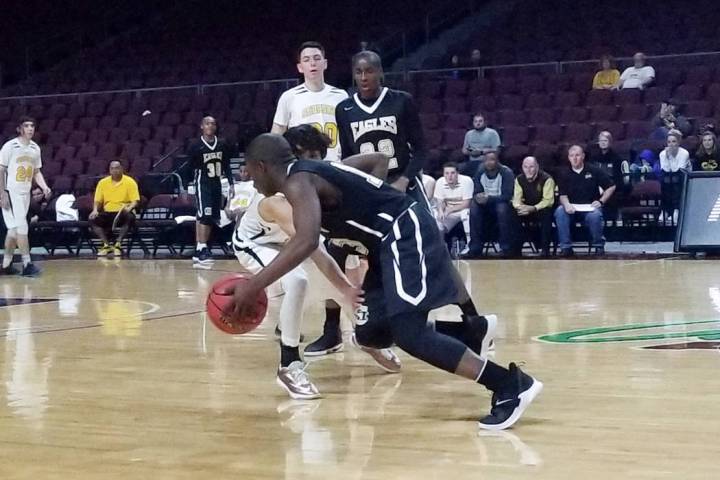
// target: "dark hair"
[[310, 44], [450, 165], [25, 119], [305, 137], [479, 114], [609, 58], [369, 56]]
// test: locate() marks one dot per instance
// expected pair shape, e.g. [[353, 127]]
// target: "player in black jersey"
[[377, 118], [407, 277], [210, 158]]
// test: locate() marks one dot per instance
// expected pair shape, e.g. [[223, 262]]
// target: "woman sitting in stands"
[[608, 75], [707, 157]]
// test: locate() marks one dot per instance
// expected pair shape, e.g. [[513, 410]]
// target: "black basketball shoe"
[[509, 403], [329, 342]]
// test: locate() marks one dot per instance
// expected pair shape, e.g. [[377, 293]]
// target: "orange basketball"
[[220, 306]]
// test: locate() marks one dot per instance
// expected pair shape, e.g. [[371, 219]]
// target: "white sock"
[[200, 246], [26, 259], [7, 260]]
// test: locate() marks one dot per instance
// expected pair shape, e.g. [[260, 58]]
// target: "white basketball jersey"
[[252, 228], [21, 161], [300, 105], [244, 194]]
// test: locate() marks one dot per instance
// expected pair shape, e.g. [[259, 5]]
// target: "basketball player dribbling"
[[408, 273]]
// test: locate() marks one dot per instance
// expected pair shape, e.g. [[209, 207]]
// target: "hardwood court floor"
[[117, 375]]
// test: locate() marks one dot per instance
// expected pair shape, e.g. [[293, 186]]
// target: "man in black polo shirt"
[[579, 187]]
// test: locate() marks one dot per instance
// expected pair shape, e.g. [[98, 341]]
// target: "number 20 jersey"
[[21, 161], [390, 125]]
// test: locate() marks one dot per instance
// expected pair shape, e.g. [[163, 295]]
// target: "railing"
[[561, 67], [199, 89]]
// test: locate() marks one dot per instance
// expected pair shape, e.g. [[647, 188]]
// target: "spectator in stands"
[[455, 65], [116, 197], [479, 141], [645, 163], [601, 154], [492, 197], [533, 199], [673, 160], [38, 206], [608, 76], [637, 76], [669, 118], [453, 193], [475, 59], [707, 157], [579, 187]]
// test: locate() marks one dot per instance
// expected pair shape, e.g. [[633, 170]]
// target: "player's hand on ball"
[[4, 200], [245, 300]]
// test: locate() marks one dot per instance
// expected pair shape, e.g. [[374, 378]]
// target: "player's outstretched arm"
[[376, 164]]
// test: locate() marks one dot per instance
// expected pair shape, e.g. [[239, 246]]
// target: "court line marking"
[[85, 327]]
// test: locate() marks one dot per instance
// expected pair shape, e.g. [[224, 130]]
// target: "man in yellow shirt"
[[115, 198], [533, 199]]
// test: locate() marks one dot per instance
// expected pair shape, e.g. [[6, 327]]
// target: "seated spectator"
[[608, 76], [38, 206], [580, 199], [479, 141], [601, 154], [645, 163], [669, 118], [116, 196], [673, 160], [492, 197], [475, 59], [453, 194], [707, 157], [637, 76], [455, 65], [534, 198]]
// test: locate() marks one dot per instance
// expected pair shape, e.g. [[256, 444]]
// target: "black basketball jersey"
[[367, 209], [211, 160], [391, 125]]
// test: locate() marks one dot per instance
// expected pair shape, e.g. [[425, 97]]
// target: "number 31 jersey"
[[21, 161], [300, 105], [390, 125]]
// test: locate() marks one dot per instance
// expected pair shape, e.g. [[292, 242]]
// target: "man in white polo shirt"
[[637, 76], [313, 102], [453, 193]]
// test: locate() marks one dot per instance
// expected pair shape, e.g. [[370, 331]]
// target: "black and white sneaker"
[[480, 333], [329, 342], [510, 402], [9, 270], [202, 259], [30, 270]]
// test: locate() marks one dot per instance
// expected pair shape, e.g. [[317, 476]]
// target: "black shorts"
[[411, 272], [105, 220], [208, 198]]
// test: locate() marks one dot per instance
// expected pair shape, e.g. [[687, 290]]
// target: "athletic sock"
[[26, 260], [7, 260], [494, 376], [332, 319], [200, 246], [289, 355], [467, 307]]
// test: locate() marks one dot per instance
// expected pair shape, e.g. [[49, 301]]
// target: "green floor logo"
[[703, 338]]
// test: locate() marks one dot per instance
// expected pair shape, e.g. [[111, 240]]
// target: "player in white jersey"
[[20, 164], [312, 102], [453, 193]]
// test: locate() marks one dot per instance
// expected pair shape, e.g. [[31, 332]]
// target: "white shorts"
[[449, 221], [16, 215], [254, 257]]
